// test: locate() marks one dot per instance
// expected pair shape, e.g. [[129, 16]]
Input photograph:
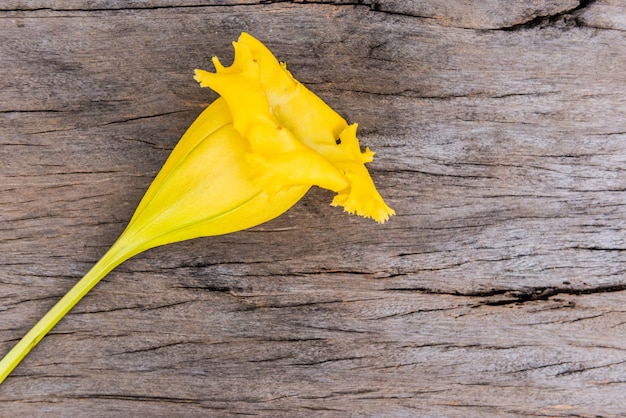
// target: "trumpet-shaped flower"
[[249, 157]]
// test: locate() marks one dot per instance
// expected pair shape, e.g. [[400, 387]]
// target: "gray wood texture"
[[497, 290]]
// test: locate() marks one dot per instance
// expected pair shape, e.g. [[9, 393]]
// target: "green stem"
[[117, 254]]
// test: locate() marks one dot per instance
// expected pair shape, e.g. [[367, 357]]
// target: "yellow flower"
[[249, 157]]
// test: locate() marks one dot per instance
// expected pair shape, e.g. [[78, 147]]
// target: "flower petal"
[[295, 137]]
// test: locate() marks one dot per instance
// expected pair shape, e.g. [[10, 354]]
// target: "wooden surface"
[[497, 290]]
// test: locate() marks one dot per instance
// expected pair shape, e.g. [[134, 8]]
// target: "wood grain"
[[497, 290]]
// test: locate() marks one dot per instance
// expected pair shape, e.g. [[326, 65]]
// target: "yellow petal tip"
[[371, 207]]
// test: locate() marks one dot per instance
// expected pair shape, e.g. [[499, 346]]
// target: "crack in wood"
[[515, 296], [566, 16]]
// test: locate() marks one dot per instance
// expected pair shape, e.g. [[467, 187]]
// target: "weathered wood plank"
[[497, 290]]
